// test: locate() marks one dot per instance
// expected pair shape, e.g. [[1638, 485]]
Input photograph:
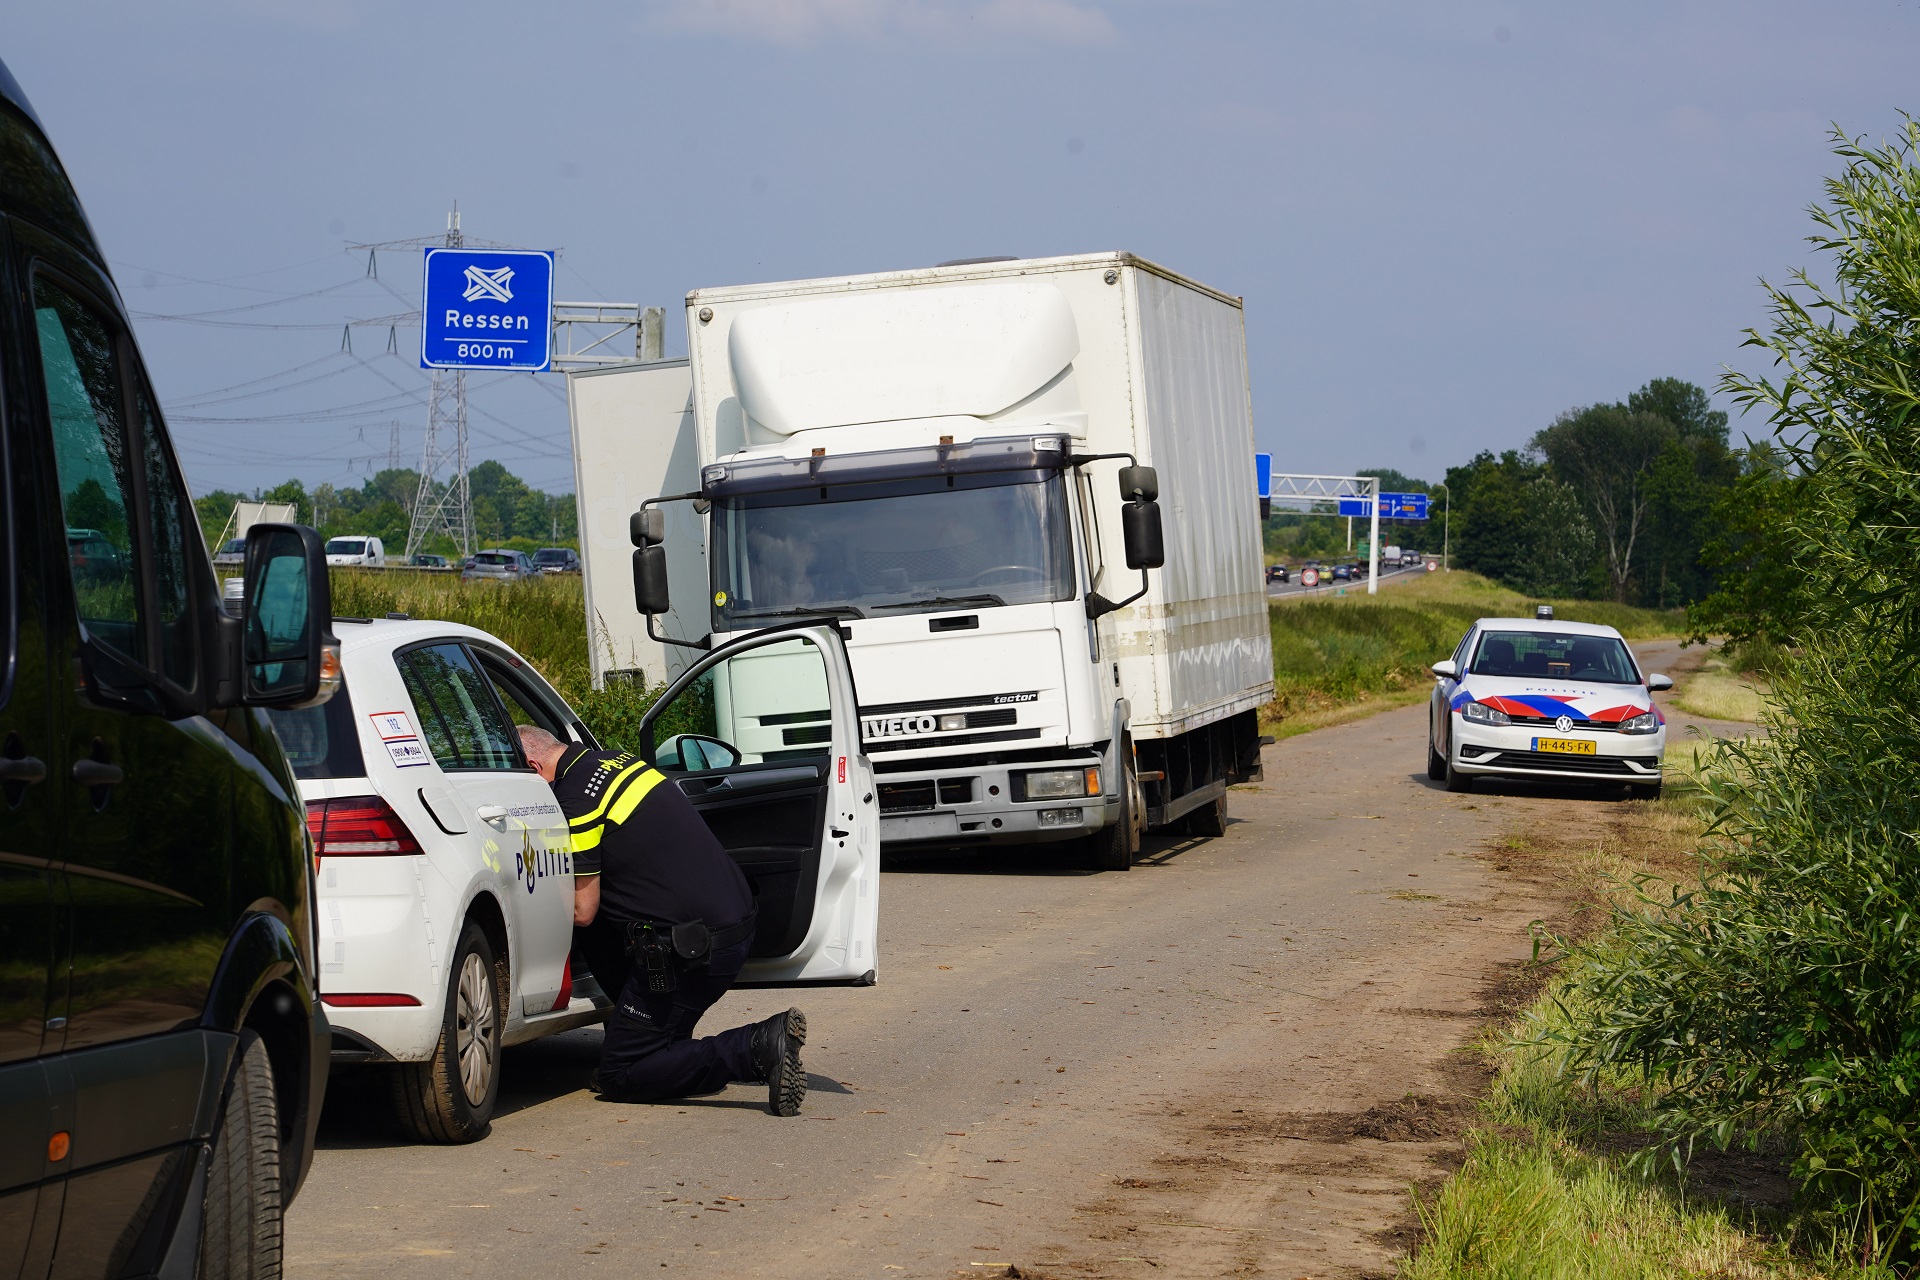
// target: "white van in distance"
[[355, 549]]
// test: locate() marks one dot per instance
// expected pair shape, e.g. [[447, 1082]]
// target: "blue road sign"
[[1263, 474], [487, 309], [1393, 506]]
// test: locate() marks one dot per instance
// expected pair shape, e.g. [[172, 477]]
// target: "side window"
[[77, 360], [167, 509], [462, 723], [766, 704], [1090, 529]]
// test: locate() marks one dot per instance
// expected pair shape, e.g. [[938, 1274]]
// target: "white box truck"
[[959, 464]]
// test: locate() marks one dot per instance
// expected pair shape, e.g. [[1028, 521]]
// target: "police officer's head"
[[542, 748]]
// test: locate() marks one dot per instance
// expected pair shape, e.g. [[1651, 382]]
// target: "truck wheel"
[[1436, 763], [1113, 849], [1208, 820], [240, 1218], [451, 1096]]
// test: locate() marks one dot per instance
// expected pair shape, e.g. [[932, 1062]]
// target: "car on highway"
[[1341, 573], [499, 566], [1555, 701], [232, 552], [444, 863], [557, 560], [1277, 573], [356, 549], [1409, 558], [426, 560], [163, 1050]]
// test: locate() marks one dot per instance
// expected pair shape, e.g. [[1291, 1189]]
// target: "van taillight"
[[357, 827]]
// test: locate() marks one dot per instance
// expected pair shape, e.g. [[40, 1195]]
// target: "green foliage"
[[544, 620], [1782, 993], [1518, 524]]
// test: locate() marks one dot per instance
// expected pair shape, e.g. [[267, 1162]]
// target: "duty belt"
[[662, 948]]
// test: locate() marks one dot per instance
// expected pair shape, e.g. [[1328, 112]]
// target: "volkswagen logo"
[[1564, 724]]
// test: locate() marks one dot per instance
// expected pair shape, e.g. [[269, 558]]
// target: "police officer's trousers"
[[650, 1054]]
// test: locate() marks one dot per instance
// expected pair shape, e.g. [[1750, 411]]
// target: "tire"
[[1436, 763], [1456, 780], [240, 1220], [1646, 791], [1209, 820], [1113, 848], [451, 1096]]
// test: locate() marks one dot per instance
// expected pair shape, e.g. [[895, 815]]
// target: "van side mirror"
[[288, 654]]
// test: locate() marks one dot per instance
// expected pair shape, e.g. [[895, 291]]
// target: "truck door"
[[763, 736]]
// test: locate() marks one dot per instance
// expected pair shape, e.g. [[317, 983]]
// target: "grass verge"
[[1549, 1187], [1338, 657]]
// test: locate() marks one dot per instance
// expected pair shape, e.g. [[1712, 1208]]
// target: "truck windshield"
[[893, 546]]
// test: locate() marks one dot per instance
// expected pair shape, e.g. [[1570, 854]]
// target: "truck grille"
[[953, 704]]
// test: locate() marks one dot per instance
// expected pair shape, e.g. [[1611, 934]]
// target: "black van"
[[162, 1048]]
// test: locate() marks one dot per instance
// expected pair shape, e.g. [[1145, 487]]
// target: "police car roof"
[[391, 633], [1546, 625]]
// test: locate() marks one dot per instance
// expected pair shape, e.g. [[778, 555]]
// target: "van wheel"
[[451, 1096], [1208, 820], [240, 1218], [1436, 763]]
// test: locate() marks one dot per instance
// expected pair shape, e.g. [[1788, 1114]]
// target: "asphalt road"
[[1117, 1074], [1328, 586]]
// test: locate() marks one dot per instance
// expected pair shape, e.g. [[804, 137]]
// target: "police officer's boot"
[[776, 1052]]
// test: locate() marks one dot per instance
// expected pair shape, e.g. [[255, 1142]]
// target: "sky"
[[1450, 221]]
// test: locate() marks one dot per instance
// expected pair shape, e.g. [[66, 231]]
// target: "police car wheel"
[[1646, 791], [451, 1096], [1456, 780], [1436, 763]]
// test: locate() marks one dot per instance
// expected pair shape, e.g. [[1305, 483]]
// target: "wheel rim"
[[473, 1028]]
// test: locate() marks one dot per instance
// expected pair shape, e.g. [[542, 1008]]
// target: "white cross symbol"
[[489, 284]]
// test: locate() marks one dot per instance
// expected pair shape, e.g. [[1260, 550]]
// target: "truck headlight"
[[1481, 713], [1645, 722], [1062, 784]]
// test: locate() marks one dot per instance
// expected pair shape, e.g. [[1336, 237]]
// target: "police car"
[[1537, 698], [445, 876]]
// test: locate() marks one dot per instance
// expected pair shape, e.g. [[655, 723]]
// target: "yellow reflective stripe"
[[630, 798], [613, 789], [585, 840]]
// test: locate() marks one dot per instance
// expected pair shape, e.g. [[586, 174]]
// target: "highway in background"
[[1328, 586]]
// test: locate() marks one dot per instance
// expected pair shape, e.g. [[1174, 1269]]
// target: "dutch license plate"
[[1565, 746]]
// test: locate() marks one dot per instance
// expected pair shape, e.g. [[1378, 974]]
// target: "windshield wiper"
[[984, 597], [804, 611]]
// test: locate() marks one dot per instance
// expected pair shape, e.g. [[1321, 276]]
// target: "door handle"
[[771, 778], [494, 815], [25, 769], [94, 773]]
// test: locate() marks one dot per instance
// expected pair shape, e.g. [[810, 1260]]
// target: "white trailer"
[[933, 457]]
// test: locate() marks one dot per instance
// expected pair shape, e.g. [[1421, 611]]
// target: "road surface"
[[1199, 1067]]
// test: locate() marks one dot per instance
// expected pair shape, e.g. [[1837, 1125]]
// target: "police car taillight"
[[357, 827]]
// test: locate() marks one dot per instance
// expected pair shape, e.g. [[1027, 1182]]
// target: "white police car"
[[1556, 701], [445, 906]]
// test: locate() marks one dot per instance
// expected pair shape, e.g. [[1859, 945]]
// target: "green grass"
[[545, 620], [1337, 656]]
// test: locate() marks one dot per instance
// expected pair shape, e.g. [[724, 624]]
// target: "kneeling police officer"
[[668, 919]]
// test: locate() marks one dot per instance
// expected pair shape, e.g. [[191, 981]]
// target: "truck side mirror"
[[1139, 484], [289, 656], [650, 578], [1140, 529], [647, 527]]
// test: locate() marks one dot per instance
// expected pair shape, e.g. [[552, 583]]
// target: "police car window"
[[80, 368], [767, 703], [462, 723], [1554, 655], [322, 741]]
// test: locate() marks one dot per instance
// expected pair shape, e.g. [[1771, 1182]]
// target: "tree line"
[[1617, 501], [507, 511]]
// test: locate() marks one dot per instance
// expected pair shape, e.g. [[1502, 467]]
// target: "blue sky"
[[1450, 222]]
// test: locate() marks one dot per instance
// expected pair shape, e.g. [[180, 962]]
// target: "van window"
[[167, 510], [459, 717], [78, 362]]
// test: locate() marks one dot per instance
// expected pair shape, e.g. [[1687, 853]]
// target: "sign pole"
[[1373, 543]]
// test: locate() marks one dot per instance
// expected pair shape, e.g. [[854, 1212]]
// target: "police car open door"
[[763, 735]]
